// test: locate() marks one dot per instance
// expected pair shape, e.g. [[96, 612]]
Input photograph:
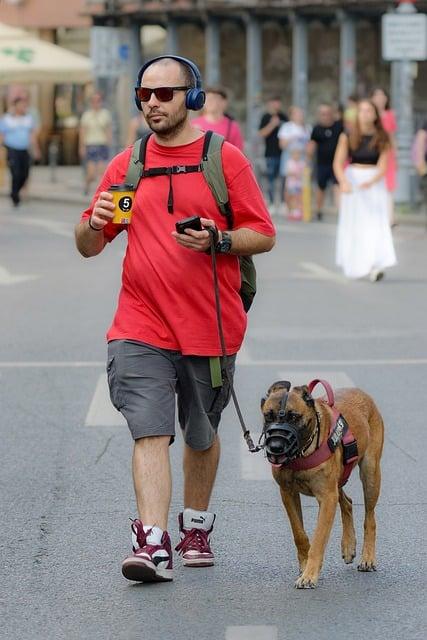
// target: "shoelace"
[[141, 535], [194, 540]]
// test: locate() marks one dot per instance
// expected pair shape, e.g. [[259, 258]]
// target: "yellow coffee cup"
[[123, 196]]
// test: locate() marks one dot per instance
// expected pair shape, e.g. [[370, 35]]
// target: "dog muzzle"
[[282, 443]]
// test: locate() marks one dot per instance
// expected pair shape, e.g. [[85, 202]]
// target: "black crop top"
[[364, 154]]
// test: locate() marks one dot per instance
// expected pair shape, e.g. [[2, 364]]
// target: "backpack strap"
[[137, 160], [214, 174]]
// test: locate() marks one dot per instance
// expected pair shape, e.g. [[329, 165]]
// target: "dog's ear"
[[279, 384], [307, 397]]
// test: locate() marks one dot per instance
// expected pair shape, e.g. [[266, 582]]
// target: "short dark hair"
[[221, 91]]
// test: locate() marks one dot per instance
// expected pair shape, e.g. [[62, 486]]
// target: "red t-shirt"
[[167, 295], [225, 127]]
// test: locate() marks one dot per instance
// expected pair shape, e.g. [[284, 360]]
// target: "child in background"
[[295, 167]]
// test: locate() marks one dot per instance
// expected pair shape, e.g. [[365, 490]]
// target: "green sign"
[[22, 54]]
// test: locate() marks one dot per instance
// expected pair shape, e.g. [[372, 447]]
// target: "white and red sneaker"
[[151, 560], [195, 528]]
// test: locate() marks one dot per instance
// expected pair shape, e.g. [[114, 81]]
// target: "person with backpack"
[[214, 117], [164, 340]]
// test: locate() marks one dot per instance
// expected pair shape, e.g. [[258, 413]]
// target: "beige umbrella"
[[24, 58]]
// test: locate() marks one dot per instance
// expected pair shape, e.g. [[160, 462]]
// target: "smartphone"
[[189, 223]]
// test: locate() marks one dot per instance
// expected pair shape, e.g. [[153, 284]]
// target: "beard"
[[170, 125]]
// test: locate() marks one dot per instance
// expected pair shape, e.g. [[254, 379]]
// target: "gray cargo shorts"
[[144, 380]]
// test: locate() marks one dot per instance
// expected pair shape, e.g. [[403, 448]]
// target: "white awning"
[[24, 58]]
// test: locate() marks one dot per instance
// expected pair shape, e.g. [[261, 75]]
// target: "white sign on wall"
[[109, 51], [404, 36]]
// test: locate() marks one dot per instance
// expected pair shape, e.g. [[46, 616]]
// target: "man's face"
[[274, 106], [325, 115], [165, 118]]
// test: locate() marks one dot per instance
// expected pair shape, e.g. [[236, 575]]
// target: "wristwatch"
[[224, 245]]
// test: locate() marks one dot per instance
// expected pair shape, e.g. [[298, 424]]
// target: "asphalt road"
[[66, 492]]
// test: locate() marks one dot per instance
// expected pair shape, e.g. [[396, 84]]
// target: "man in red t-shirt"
[[214, 117], [165, 328]]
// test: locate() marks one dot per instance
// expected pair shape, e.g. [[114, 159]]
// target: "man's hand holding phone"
[[191, 233]]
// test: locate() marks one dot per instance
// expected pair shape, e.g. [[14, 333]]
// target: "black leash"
[[246, 434]]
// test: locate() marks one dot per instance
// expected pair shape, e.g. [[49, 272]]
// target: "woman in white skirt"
[[364, 240]]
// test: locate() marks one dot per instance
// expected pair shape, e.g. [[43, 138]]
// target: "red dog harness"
[[338, 433]]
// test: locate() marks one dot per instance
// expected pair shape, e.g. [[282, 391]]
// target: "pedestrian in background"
[[381, 100], [295, 168], [214, 117], [165, 328], [18, 133], [420, 157], [322, 146], [350, 112], [95, 137], [294, 133], [364, 240], [137, 127], [269, 127]]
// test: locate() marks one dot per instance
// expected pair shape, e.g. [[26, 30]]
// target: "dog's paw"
[[304, 582], [366, 566], [348, 553]]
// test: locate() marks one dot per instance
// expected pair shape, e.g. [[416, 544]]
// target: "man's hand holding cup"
[[103, 211]]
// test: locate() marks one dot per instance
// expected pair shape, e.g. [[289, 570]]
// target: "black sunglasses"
[[163, 94]]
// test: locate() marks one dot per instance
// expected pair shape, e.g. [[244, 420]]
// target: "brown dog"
[[311, 421]]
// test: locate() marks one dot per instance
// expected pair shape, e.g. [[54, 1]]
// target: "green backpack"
[[211, 167]]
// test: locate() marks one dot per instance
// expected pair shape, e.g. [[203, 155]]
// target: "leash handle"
[[246, 433], [327, 387]]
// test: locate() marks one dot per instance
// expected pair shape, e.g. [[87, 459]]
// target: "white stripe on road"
[[254, 466], [317, 272], [48, 365], [246, 362], [56, 227], [251, 632], [335, 378], [101, 412], [7, 278]]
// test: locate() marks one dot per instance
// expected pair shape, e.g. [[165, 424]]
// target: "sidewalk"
[[65, 185]]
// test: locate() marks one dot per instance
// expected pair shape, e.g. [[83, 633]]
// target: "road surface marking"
[[101, 412], [7, 278], [335, 378], [53, 365], [254, 466], [313, 364], [317, 272], [251, 632], [53, 226]]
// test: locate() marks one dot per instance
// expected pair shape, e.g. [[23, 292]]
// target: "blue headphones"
[[194, 98]]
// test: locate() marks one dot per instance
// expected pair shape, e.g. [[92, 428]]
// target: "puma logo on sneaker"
[[199, 520]]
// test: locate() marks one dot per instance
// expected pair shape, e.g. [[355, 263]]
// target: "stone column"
[[212, 58], [402, 85], [347, 55], [172, 44], [299, 61], [253, 84]]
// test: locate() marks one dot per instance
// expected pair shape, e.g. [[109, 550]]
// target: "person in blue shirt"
[[18, 133]]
